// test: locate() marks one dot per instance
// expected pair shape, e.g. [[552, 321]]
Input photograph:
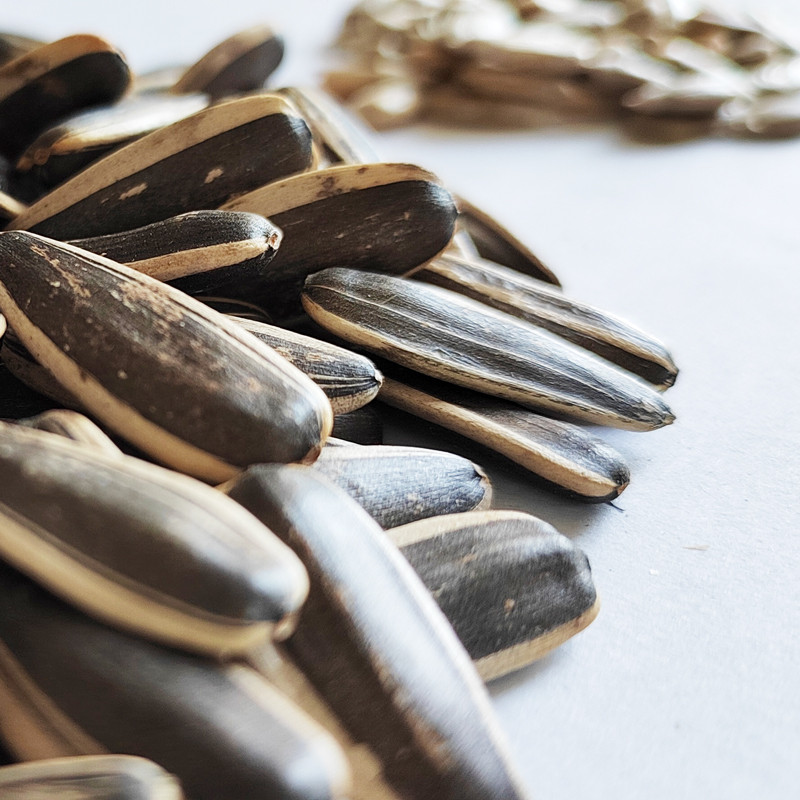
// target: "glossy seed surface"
[[512, 587], [450, 337], [179, 381]]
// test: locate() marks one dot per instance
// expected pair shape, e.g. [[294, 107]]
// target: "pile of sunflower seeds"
[[200, 282], [665, 69]]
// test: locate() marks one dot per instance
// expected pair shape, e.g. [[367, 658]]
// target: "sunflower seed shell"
[[385, 682], [447, 336], [196, 163], [397, 485], [530, 300], [71, 686], [179, 381], [512, 587]]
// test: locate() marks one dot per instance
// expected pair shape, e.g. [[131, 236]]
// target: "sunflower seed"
[[181, 382], [512, 587], [497, 244], [385, 682], [10, 207], [71, 686], [197, 252], [383, 217], [241, 63], [564, 455], [53, 81], [348, 379], [74, 143], [192, 164], [397, 485], [178, 562], [530, 300], [74, 426], [448, 336], [387, 103], [769, 116], [362, 426], [92, 777]]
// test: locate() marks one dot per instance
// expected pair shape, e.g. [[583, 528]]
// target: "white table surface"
[[686, 686]]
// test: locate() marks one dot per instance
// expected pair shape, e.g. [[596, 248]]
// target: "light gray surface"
[[686, 686]]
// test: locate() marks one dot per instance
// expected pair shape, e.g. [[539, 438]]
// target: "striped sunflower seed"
[[91, 777], [178, 561], [240, 63], [55, 80], [232, 307], [397, 485], [179, 381], [530, 300], [512, 587], [447, 336], [198, 162], [348, 379], [564, 455], [385, 682], [382, 217], [74, 143], [197, 252], [71, 686]]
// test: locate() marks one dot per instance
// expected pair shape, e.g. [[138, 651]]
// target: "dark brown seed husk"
[[382, 217], [446, 336], [98, 777], [495, 243], [530, 300], [72, 425], [53, 81], [362, 426], [565, 455], [512, 586], [398, 485], [197, 252], [388, 683], [348, 379], [71, 686], [178, 561], [74, 143], [336, 132], [199, 162], [181, 382], [241, 63]]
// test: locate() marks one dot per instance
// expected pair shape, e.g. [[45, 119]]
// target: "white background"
[[686, 686]]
